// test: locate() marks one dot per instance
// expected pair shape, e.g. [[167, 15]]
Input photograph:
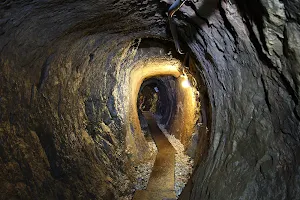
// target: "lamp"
[[185, 81]]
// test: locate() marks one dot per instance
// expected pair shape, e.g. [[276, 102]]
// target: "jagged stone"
[[63, 63]]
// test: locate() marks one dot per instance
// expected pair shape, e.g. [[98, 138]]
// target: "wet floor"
[[161, 182]]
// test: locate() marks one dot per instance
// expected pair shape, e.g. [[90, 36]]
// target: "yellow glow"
[[142, 70], [171, 67], [185, 83]]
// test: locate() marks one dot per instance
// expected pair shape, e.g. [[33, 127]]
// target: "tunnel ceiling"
[[64, 78]]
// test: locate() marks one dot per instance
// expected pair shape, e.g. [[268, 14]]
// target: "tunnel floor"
[[161, 182]]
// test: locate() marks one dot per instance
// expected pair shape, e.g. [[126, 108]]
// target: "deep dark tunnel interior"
[[158, 93]]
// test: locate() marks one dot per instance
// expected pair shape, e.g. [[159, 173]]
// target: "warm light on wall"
[[171, 67], [185, 82]]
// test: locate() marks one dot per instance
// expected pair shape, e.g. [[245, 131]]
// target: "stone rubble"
[[183, 165], [143, 170]]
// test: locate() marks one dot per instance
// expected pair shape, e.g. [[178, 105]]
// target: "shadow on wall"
[[253, 11], [203, 10], [195, 13], [198, 14]]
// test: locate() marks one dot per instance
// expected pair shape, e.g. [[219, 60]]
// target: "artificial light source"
[[185, 83]]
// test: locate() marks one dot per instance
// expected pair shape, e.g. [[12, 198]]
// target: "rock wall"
[[62, 130], [185, 118], [247, 52]]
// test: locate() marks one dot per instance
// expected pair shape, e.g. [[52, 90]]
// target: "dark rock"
[[111, 106], [245, 54]]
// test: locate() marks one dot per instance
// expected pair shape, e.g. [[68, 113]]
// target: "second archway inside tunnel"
[[157, 95], [173, 104], [162, 86]]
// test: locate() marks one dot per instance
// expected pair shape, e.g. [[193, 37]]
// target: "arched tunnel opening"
[[150, 99], [156, 95], [167, 110]]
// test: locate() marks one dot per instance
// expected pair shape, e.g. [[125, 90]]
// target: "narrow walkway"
[[161, 182]]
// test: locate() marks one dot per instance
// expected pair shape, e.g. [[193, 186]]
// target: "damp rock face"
[[248, 51], [62, 121]]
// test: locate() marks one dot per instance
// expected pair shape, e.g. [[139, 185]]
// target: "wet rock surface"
[[61, 122]]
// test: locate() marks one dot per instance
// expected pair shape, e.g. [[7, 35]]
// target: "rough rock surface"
[[62, 135], [248, 53], [143, 170]]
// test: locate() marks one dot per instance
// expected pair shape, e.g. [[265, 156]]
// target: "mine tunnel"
[[122, 99]]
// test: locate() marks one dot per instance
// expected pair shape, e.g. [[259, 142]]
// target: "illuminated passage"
[[161, 183], [180, 116], [162, 92]]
